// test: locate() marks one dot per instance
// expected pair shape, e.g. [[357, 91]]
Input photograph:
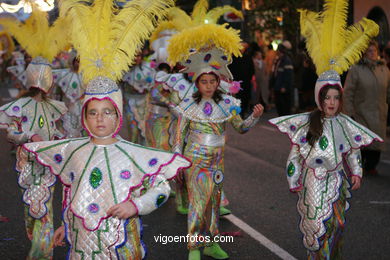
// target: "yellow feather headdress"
[[36, 36], [199, 36], [333, 45], [107, 37]]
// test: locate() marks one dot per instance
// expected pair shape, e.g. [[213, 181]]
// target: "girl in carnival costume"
[[178, 84], [137, 83], [33, 118], [108, 182], [202, 122], [70, 82], [326, 144]]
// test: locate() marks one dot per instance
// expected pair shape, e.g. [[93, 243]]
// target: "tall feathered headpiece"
[[42, 42], [202, 45], [333, 45], [107, 38], [178, 20]]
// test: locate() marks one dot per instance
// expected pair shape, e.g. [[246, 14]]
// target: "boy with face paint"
[[325, 159]]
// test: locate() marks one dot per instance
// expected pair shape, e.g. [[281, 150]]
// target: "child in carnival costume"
[[33, 118], [206, 50], [137, 83], [325, 152], [108, 182], [158, 116], [70, 82], [179, 84]]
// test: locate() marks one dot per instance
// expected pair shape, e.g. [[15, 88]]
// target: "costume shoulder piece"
[[103, 175], [177, 82], [208, 110], [140, 77], [12, 110], [19, 71], [69, 82], [340, 135]]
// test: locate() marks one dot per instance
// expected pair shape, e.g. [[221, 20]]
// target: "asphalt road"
[[257, 189]]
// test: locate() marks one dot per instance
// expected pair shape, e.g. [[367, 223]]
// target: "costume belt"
[[159, 110], [207, 139]]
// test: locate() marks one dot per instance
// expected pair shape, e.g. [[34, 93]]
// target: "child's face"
[[207, 85], [101, 118], [331, 102]]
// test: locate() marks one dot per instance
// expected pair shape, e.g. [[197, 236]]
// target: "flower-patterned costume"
[[137, 82], [203, 125], [70, 84], [321, 174], [23, 119]]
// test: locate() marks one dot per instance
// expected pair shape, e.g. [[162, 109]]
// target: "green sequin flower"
[[290, 169], [96, 177], [323, 143]]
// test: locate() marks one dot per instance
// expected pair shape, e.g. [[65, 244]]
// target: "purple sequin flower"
[[71, 176], [341, 147], [24, 119], [358, 138], [125, 175], [208, 108], [15, 108], [227, 101], [186, 99], [318, 161], [153, 162], [93, 208], [293, 128], [58, 158], [182, 87], [207, 57], [173, 79], [303, 139], [188, 61]]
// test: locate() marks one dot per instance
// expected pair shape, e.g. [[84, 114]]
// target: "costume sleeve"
[[354, 160], [294, 169], [242, 126], [349, 92], [154, 197], [180, 134], [16, 136]]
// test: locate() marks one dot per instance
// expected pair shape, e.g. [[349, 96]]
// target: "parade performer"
[[70, 82], [206, 50], [137, 83], [107, 181], [325, 152], [179, 84], [33, 117]]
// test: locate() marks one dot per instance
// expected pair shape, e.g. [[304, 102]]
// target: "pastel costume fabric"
[[96, 177], [23, 119], [203, 125], [322, 172], [70, 84], [159, 118], [139, 80]]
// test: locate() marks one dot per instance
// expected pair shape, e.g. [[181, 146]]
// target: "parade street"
[[264, 223]]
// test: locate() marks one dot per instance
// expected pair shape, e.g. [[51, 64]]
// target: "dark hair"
[[33, 91], [217, 96], [316, 116], [164, 66]]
